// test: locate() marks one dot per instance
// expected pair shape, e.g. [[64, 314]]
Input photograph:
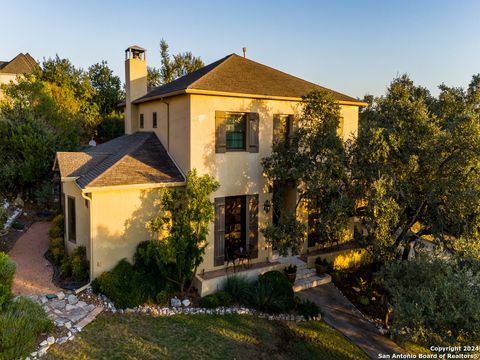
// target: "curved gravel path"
[[34, 272]]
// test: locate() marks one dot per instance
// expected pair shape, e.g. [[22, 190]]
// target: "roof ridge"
[[116, 158], [221, 62]]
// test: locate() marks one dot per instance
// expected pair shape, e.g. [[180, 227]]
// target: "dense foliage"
[[417, 161], [313, 161], [182, 227], [21, 320], [435, 300]]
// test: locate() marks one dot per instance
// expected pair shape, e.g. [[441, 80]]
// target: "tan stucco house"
[[19, 65], [220, 120]]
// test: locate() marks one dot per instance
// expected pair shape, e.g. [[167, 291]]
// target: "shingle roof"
[[235, 74], [20, 64], [139, 158]]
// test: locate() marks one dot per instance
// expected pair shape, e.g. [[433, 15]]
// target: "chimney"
[[244, 52], [135, 85]]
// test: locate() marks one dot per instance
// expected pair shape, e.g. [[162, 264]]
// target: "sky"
[[355, 47]]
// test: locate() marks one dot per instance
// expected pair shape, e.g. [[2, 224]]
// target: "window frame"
[[154, 120], [71, 219], [245, 131]]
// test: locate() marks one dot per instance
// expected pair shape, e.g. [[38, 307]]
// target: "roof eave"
[[233, 94], [165, 184]]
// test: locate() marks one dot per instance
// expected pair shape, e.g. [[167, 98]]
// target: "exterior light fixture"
[[266, 206]]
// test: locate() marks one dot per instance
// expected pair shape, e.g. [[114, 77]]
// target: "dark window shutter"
[[253, 123], [220, 132], [291, 125], [277, 130], [219, 237], [252, 225]]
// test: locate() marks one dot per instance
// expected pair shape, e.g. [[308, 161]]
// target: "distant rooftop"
[[20, 64]]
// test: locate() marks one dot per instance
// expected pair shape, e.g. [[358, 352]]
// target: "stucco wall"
[[118, 224], [174, 133], [5, 79], [69, 188]]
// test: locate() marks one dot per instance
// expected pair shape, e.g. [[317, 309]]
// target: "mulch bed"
[[8, 241], [346, 281]]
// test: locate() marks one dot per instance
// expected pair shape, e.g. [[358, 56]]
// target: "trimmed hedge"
[[220, 298], [7, 273]]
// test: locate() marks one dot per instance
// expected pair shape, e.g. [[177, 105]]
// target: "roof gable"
[[235, 74]]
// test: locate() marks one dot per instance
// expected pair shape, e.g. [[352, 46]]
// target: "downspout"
[[89, 199], [168, 122]]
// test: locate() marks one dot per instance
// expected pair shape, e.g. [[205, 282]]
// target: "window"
[[235, 127], [154, 120], [141, 121], [71, 221], [282, 127], [235, 131]]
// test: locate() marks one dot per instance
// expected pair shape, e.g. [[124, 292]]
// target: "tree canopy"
[[172, 67]]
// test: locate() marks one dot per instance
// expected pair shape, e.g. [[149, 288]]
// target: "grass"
[[132, 336]]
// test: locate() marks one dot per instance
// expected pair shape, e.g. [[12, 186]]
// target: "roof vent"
[[244, 52]]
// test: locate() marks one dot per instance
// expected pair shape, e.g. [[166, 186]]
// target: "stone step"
[[311, 282], [305, 273]]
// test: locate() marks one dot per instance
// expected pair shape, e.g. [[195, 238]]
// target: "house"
[[221, 120], [20, 64]]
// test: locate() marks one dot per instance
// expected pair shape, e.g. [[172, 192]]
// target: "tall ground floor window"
[[71, 220]]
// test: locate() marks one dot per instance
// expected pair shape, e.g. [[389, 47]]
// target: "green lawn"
[[204, 337]]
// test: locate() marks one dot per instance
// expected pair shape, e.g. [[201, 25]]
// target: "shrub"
[[308, 309], [351, 260], [7, 272], [122, 285], [79, 264], [66, 267], [55, 232], [220, 298], [17, 225], [57, 248], [239, 289], [435, 300], [20, 324], [58, 221], [163, 297], [362, 299], [3, 217], [273, 293]]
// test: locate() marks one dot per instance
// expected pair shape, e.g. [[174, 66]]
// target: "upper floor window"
[[236, 131], [71, 220], [141, 121], [236, 134], [154, 120], [282, 126]]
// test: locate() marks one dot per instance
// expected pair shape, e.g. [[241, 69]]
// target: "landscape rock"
[[58, 304], [50, 340], [61, 295], [356, 289], [186, 302], [72, 299], [175, 302]]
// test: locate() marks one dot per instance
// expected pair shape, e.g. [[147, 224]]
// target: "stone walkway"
[[340, 313], [34, 272]]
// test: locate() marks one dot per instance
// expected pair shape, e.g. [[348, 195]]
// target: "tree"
[[185, 215], [417, 163], [172, 68], [312, 161], [48, 111], [108, 88]]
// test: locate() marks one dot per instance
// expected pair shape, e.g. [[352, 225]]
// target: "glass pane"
[[235, 131]]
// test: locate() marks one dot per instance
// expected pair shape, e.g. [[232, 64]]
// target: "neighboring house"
[[221, 120], [20, 64]]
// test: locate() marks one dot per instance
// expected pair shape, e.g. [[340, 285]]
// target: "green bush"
[[220, 298], [308, 309], [58, 221], [7, 272], [18, 225], [239, 289], [3, 217], [273, 293], [66, 267], [362, 299], [437, 300], [122, 285], [55, 232], [21, 322], [79, 264], [163, 297], [57, 248]]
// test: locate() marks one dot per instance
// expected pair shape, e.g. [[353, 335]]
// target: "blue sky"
[[355, 47]]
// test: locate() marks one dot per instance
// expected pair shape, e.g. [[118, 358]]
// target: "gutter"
[[88, 197]]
